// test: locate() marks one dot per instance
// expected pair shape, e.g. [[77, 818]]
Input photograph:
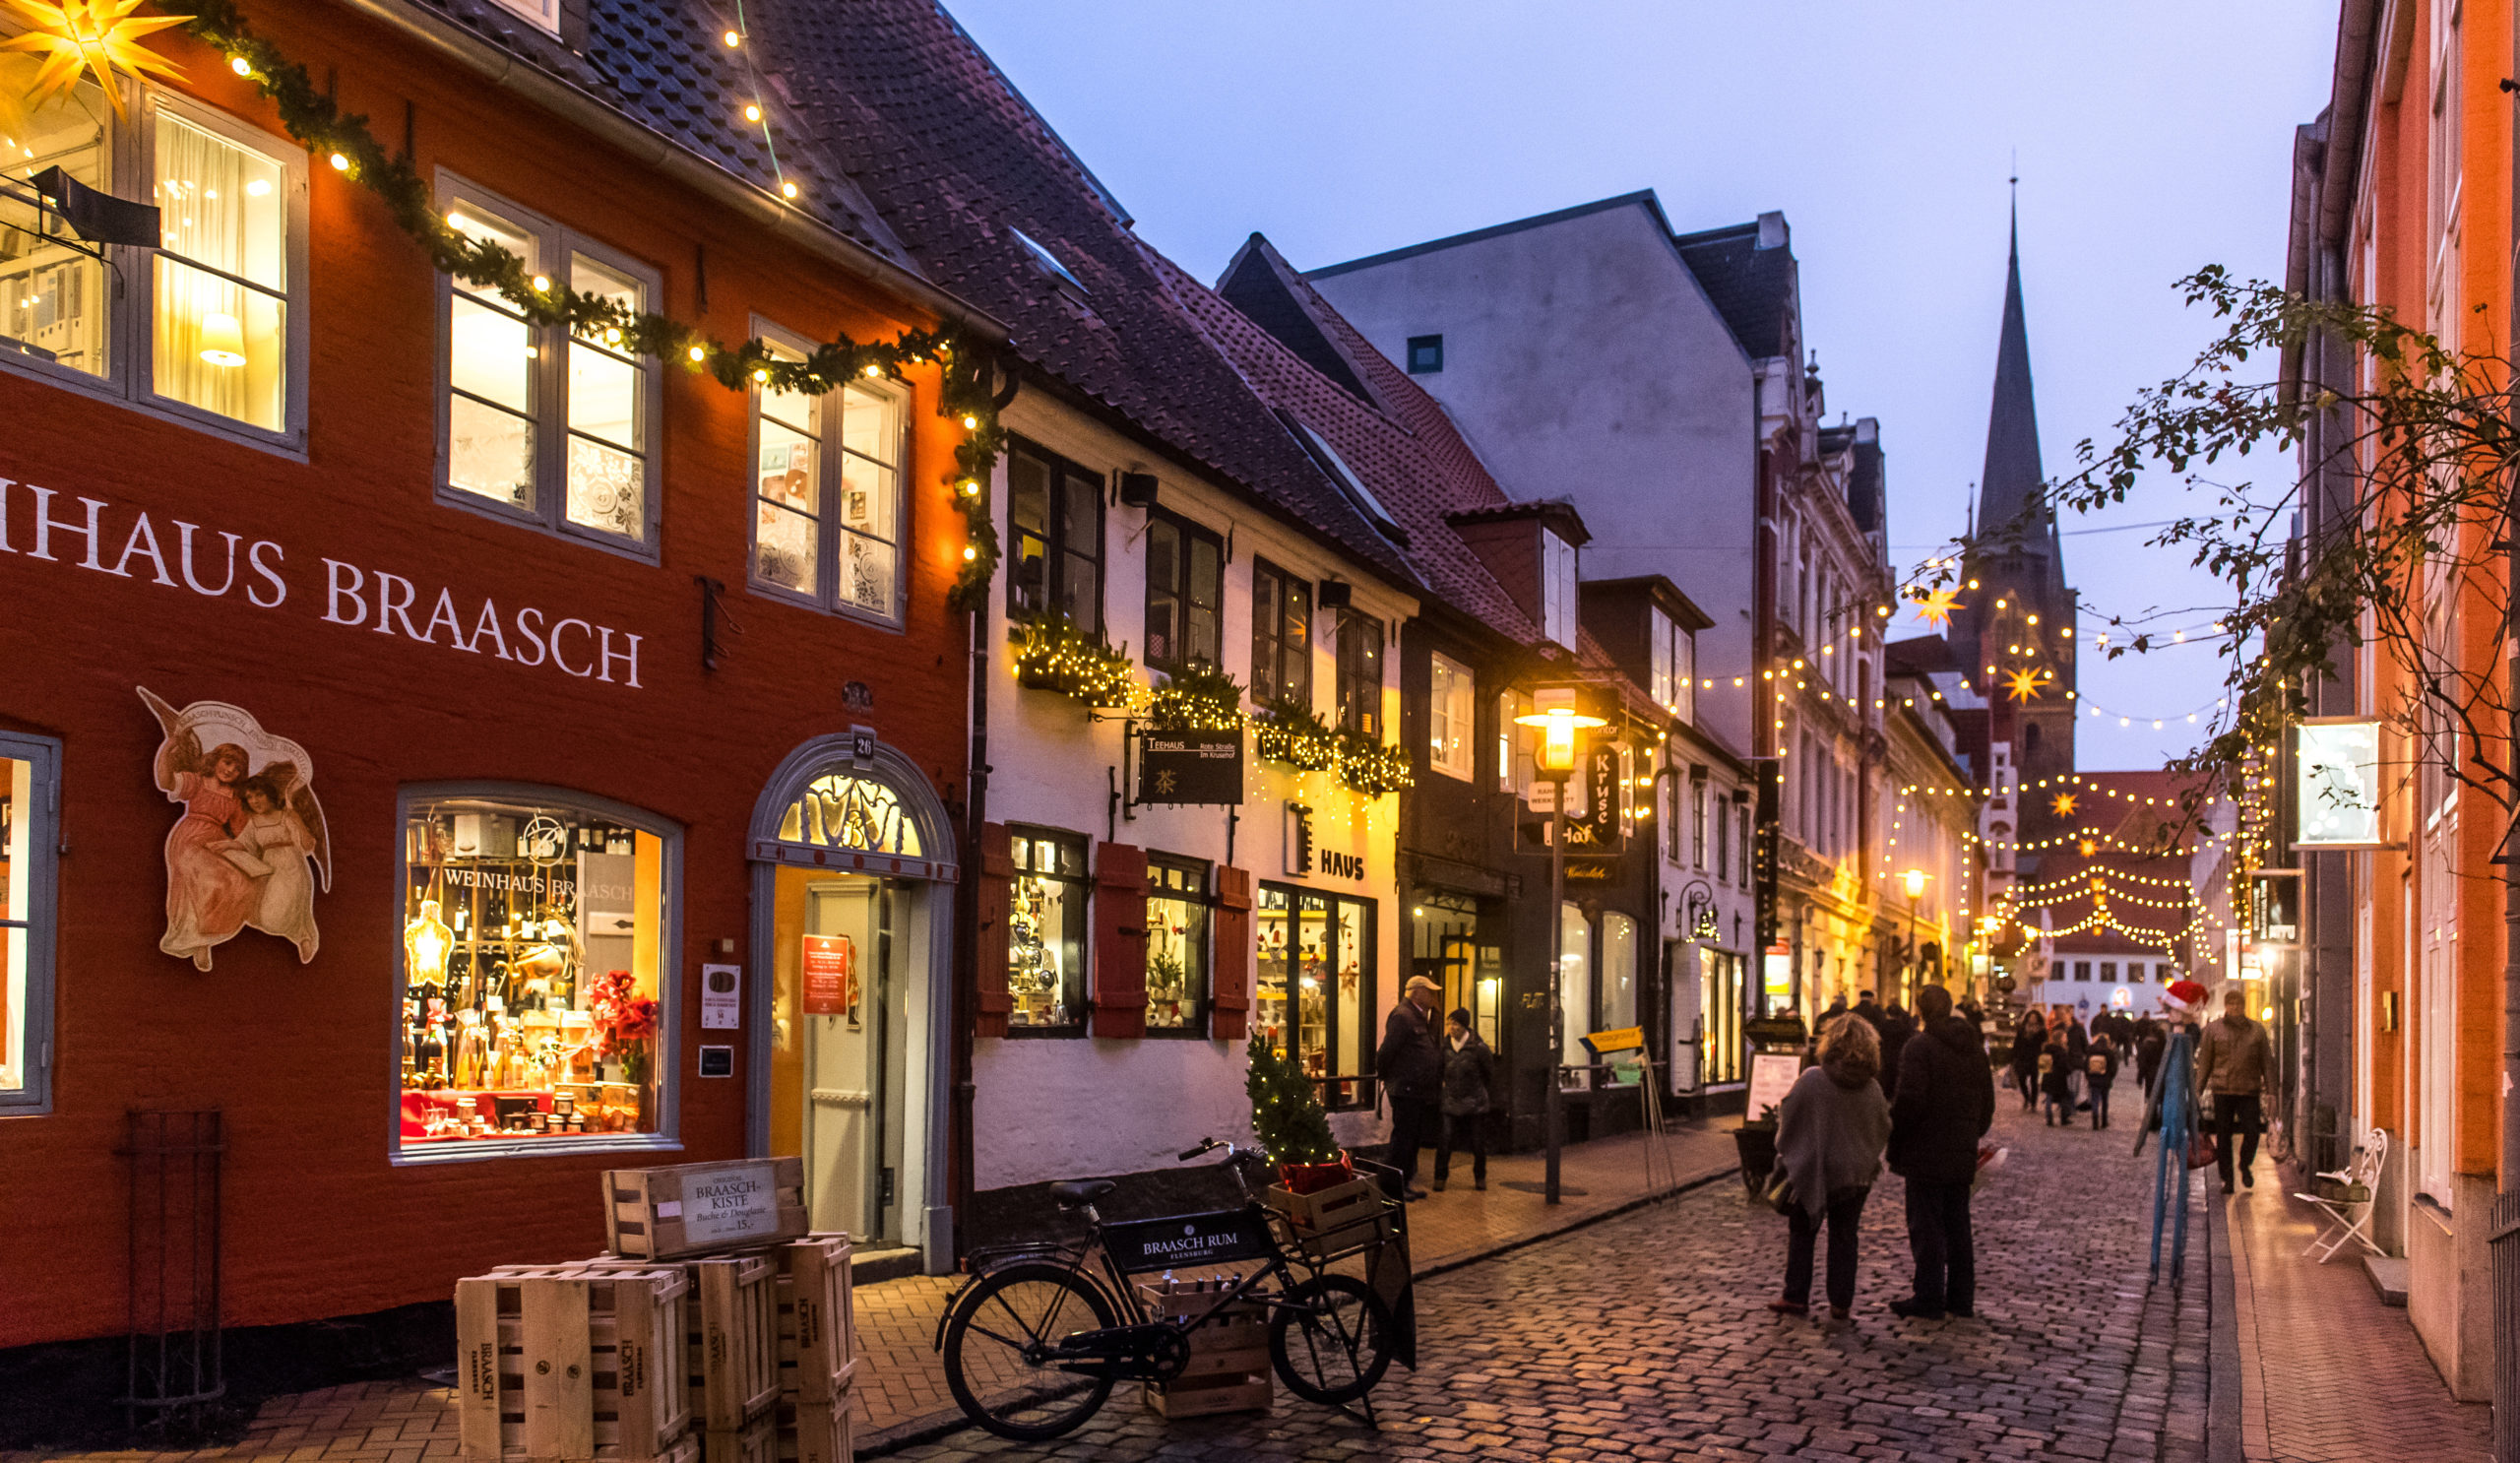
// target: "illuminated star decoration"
[[2022, 685], [2088, 848], [2064, 804], [1934, 607], [97, 36]]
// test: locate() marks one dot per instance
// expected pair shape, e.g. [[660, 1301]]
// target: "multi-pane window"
[[549, 427], [1360, 673], [1281, 636], [1055, 510], [1558, 589], [1675, 665], [1697, 822], [1176, 945], [1046, 934], [1184, 593], [209, 322], [2109, 970], [827, 496], [30, 789], [1515, 743], [1451, 718], [1723, 845], [1741, 845]]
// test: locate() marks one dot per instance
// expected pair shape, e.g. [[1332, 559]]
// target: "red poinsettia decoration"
[[625, 1022]]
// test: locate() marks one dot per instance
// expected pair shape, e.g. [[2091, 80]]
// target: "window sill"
[[780, 594], [642, 552], [528, 1147], [1044, 1033], [290, 444]]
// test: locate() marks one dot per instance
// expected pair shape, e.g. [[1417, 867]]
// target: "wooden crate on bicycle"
[[817, 1329], [574, 1361], [1341, 1220], [1228, 1369]]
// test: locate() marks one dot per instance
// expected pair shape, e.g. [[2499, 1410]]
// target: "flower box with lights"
[[1200, 697], [1295, 736], [1054, 655], [1369, 767]]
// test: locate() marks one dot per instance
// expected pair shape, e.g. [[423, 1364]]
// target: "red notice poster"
[[830, 975]]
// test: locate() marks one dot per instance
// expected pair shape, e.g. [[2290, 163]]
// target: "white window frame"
[[1451, 718], [550, 413], [1557, 576], [131, 278], [544, 13], [42, 814], [829, 451]]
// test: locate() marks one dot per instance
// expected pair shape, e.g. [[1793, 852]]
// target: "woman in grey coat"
[[1829, 1133]]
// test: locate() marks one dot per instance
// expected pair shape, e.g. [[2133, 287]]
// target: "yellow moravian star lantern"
[[1934, 607], [2064, 804], [97, 36], [2023, 685]]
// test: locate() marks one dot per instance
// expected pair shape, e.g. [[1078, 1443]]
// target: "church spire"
[[2011, 481]]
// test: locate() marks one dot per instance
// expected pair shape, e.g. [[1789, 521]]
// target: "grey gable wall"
[[1583, 362]]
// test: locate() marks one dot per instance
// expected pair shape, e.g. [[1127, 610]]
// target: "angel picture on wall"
[[239, 857]]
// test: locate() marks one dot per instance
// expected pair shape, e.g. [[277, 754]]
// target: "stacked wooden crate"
[[1229, 1369], [717, 1331]]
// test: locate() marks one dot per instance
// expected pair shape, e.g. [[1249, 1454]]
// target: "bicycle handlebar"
[[1206, 1146]]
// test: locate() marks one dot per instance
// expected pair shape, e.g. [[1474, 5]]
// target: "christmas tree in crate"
[[1293, 1131]]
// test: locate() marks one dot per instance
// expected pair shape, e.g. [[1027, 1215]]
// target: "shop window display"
[[1046, 934], [1176, 945], [29, 780], [1317, 1000], [533, 1002], [827, 495]]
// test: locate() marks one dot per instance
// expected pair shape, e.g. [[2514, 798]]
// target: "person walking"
[[1897, 1028], [1829, 1133], [1870, 1009], [2028, 1039], [1413, 1075], [2151, 1041], [2235, 1068], [2077, 1046], [2100, 1074], [1469, 1069], [1947, 1103], [2056, 1079]]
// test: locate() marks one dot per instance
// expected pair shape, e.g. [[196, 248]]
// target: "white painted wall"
[[1072, 1107], [1583, 361]]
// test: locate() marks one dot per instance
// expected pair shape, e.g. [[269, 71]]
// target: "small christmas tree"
[[1285, 1113]]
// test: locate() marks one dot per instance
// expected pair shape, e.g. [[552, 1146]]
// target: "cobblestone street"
[[1647, 1337]]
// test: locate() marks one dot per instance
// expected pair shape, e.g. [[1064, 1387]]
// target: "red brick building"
[[552, 661]]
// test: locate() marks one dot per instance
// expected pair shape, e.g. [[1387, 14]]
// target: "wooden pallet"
[[816, 1431], [817, 1328], [682, 1210], [1229, 1369], [573, 1362]]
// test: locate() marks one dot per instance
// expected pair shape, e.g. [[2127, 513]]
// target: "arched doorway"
[[853, 870]]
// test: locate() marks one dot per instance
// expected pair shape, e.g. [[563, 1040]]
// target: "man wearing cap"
[[1411, 1071], [2235, 1066]]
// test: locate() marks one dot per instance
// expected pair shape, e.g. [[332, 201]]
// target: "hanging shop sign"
[[1190, 767], [83, 533], [2337, 783], [1590, 871], [239, 857], [2275, 907], [829, 976]]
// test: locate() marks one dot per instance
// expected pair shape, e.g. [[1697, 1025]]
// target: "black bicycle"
[[1035, 1342]]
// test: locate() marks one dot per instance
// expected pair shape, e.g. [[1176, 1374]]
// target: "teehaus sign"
[[100, 537]]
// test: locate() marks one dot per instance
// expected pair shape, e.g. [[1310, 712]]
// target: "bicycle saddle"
[[1081, 1191]]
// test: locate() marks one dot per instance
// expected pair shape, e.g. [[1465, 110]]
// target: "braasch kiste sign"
[[94, 535]]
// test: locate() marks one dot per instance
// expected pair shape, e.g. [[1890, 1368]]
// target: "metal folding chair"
[[2345, 1196]]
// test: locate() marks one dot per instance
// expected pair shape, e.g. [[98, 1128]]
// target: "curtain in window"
[[221, 328], [52, 297]]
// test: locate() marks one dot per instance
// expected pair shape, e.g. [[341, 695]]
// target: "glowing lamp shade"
[[425, 943], [1914, 879], [1562, 724], [223, 340]]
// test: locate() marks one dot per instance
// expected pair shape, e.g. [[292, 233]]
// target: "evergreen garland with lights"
[[1371, 768], [1200, 697], [317, 121], [1286, 1111], [1055, 654], [1294, 733]]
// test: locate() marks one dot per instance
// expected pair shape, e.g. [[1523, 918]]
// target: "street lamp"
[[1562, 727], [1914, 879]]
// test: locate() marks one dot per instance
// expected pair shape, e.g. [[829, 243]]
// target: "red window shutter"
[[1118, 997], [1230, 986], [997, 883]]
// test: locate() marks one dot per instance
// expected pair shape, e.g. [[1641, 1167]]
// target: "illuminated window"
[[1184, 593], [551, 430], [209, 324], [1360, 673], [30, 789], [534, 1008], [1281, 637], [1046, 934], [827, 495], [1176, 945], [1451, 717], [1055, 515]]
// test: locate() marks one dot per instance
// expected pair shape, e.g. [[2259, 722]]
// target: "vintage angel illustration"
[[239, 856]]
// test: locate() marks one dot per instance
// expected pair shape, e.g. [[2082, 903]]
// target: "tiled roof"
[[1752, 287], [955, 162], [1412, 460], [661, 65]]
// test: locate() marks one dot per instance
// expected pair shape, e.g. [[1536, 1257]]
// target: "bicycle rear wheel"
[[1331, 1340], [1020, 1310]]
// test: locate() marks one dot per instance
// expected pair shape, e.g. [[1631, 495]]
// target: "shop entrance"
[[852, 928]]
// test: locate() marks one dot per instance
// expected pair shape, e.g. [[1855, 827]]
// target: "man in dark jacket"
[[1411, 1071], [1947, 1103]]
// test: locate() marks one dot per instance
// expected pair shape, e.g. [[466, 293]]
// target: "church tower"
[[2013, 633]]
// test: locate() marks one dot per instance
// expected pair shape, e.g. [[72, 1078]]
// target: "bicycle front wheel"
[[1331, 1339], [994, 1347]]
